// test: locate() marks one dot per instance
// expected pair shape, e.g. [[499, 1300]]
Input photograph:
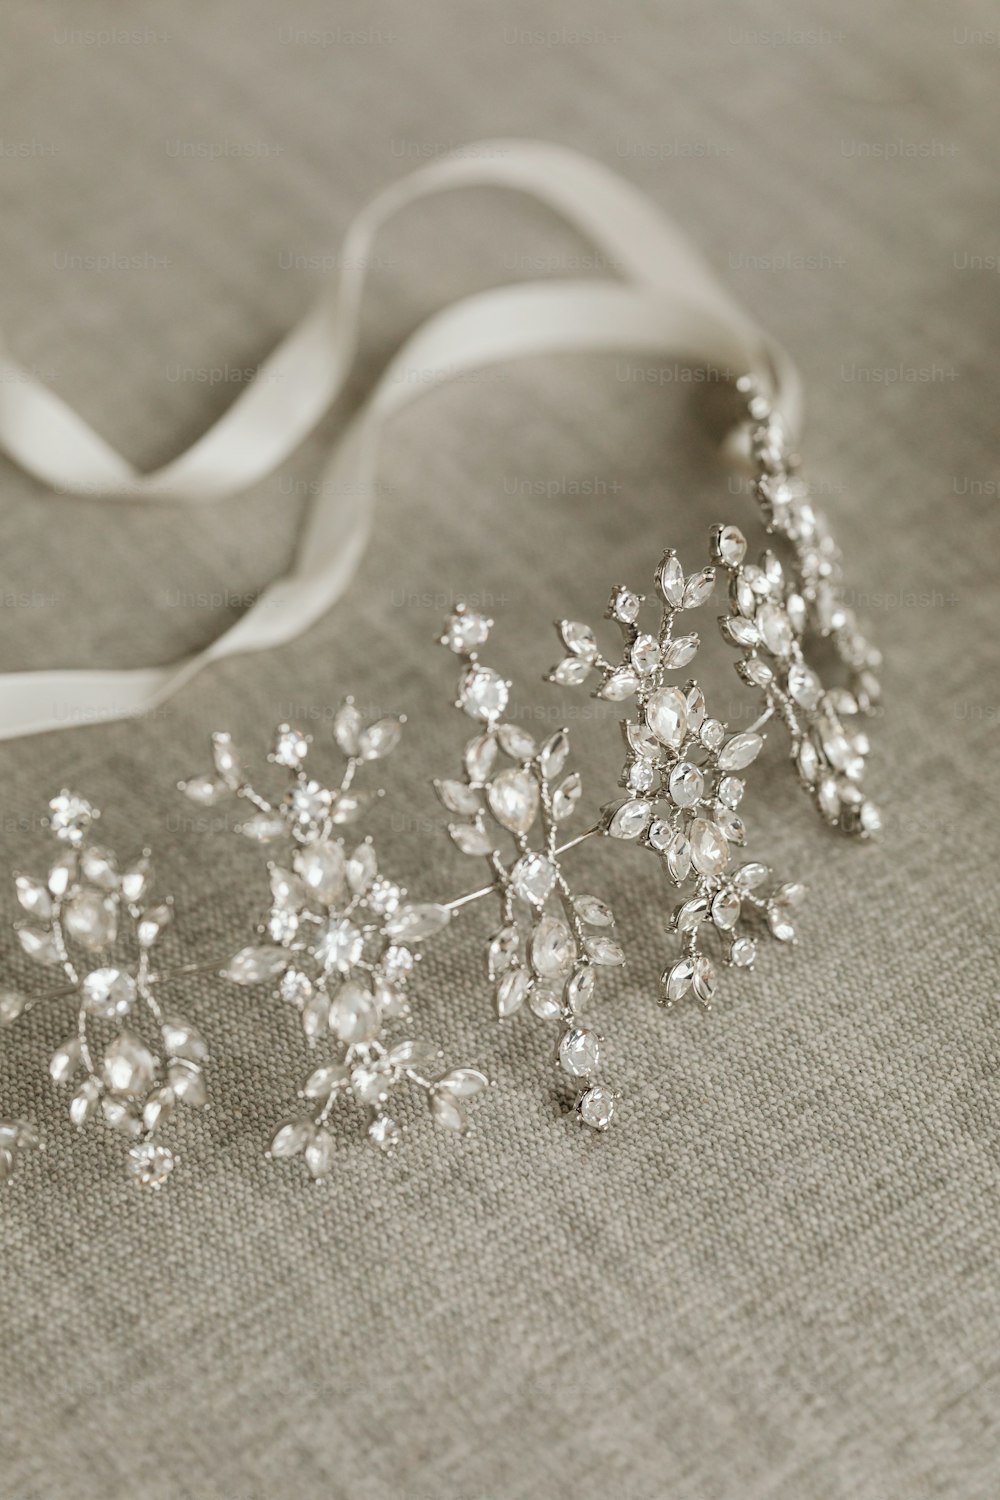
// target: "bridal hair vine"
[[129, 1060], [340, 942]]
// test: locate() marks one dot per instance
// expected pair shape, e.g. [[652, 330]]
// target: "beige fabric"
[[777, 1279]]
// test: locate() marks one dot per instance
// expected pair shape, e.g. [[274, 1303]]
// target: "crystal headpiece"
[[340, 941]]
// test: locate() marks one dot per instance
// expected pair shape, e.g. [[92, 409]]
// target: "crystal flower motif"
[[339, 944], [682, 781], [510, 802], [129, 1061]]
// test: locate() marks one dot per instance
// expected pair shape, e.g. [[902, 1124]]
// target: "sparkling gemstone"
[[553, 755], [593, 911], [502, 950], [659, 835], [108, 993], [726, 910], [645, 654], [871, 819], [731, 790], [483, 693], [677, 980], [679, 856], [385, 1133], [511, 992], [670, 580], [580, 989], [605, 951], [128, 1065], [12, 1003], [371, 1084], [743, 952], [340, 945], [597, 1107], [545, 1002], [291, 1138], [553, 948], [829, 797], [695, 700], [808, 761], [698, 588], [91, 920], [756, 671], [532, 879], [619, 686], [183, 1039], [99, 867], [40, 946], [148, 1164], [417, 920], [739, 632], [572, 671], [354, 1015], [629, 820], [709, 849], [625, 606], [712, 734], [70, 816], [465, 631], [740, 751], [515, 742], [686, 784], [775, 626], [749, 877], [731, 546], [480, 757], [579, 1052], [704, 978], [680, 652], [320, 1154], [291, 747], [513, 797], [641, 776], [666, 715], [320, 867], [642, 740], [804, 686], [566, 796], [188, 1084], [578, 639], [397, 962], [380, 739], [362, 867], [690, 913], [308, 803]]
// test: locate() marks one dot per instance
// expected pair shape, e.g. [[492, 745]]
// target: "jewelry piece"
[[340, 942], [83, 912], [15, 1136], [551, 942]]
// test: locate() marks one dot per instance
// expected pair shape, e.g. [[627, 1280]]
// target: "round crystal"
[[732, 546], [597, 1107], [743, 952], [686, 784], [483, 693], [340, 945], [625, 605], [465, 631], [108, 993], [579, 1052], [148, 1164], [731, 790], [776, 628]]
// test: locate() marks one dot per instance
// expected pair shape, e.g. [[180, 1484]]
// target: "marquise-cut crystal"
[[686, 784], [804, 686], [709, 849], [740, 752], [775, 626], [511, 992], [670, 580], [629, 820], [731, 546], [553, 948]]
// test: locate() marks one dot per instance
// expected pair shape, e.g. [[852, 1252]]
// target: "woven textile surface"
[[775, 1278]]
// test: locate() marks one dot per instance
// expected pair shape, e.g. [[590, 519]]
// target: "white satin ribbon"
[[668, 303]]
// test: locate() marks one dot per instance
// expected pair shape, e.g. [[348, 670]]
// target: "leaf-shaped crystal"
[[578, 639], [320, 1153], [698, 588], [379, 739], [34, 897], [690, 913], [593, 911], [677, 980], [362, 867], [354, 1015], [263, 827], [570, 672], [621, 684], [502, 950], [566, 796], [480, 757], [255, 964], [65, 1060], [470, 838], [417, 920], [463, 1083], [552, 948], [447, 1111], [321, 1083], [347, 728], [321, 867], [181, 1038], [205, 790], [726, 910], [709, 850], [749, 877], [458, 797], [680, 652], [670, 580], [553, 755], [740, 751], [292, 1137], [41, 946], [739, 632], [226, 760], [532, 878], [128, 1065], [630, 819], [511, 992], [666, 716]]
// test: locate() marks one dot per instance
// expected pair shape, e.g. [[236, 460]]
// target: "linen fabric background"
[[775, 1279]]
